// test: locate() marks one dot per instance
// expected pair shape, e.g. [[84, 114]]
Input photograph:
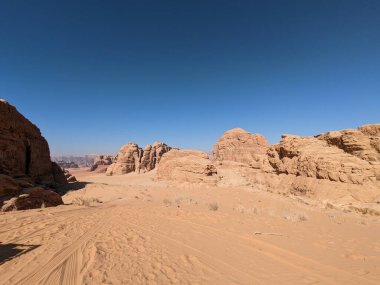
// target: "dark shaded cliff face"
[[23, 150]]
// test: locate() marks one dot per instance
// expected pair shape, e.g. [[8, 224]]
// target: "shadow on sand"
[[8, 251], [73, 186], [78, 185]]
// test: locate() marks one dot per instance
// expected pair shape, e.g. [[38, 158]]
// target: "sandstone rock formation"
[[58, 174], [127, 160], [363, 142], [24, 156], [8, 186], [32, 198], [187, 166], [340, 165], [102, 160], [240, 146], [152, 155], [69, 177], [23, 151], [311, 157], [131, 158]]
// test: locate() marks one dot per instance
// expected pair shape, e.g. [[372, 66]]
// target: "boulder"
[[240, 146], [69, 177], [32, 198], [187, 166]]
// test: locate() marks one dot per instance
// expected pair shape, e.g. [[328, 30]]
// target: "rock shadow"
[[8, 251], [72, 186]]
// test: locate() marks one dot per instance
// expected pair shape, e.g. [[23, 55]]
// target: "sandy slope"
[[146, 232]]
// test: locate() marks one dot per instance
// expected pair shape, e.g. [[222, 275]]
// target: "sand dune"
[[135, 230]]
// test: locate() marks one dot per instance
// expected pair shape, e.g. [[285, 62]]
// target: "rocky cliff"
[[25, 160]]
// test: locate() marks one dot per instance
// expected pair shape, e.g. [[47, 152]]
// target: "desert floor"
[[139, 231]]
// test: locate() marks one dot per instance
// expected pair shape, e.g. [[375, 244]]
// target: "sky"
[[94, 75]]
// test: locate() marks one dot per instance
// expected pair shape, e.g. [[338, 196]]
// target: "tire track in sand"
[[298, 262], [282, 255], [63, 268], [35, 232], [41, 217], [194, 249]]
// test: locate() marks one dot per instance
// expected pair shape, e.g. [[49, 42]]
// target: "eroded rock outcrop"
[[363, 142], [24, 156], [127, 160], [131, 158], [69, 177], [187, 166], [23, 151], [240, 146], [102, 160], [312, 157], [337, 166], [152, 155], [32, 198]]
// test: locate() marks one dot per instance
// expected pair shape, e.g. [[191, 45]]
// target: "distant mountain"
[[81, 161]]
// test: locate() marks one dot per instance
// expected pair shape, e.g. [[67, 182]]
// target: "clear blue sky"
[[94, 75]]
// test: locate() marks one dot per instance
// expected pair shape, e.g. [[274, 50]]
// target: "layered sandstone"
[[132, 158], [312, 157], [23, 150], [187, 166], [32, 198], [152, 155], [127, 160], [337, 166], [363, 143], [102, 160], [240, 146], [24, 158]]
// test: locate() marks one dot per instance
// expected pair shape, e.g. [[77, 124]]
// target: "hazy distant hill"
[[81, 161]]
